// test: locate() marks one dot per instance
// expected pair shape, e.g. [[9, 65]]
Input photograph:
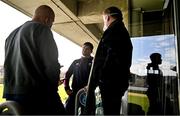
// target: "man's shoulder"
[[34, 25], [77, 60], [12, 34]]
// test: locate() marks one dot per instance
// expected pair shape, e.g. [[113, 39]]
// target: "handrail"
[[13, 108]]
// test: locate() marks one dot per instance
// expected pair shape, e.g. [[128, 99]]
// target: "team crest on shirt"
[[77, 64], [90, 64]]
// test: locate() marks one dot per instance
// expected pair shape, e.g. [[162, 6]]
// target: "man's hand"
[[61, 81], [69, 91]]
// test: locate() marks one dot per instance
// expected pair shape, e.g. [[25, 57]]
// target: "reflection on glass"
[[142, 48]]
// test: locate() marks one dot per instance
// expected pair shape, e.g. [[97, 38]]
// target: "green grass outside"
[[1, 93], [139, 99], [62, 93]]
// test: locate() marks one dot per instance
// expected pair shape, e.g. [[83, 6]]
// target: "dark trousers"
[[47, 104], [111, 100], [70, 104], [154, 102]]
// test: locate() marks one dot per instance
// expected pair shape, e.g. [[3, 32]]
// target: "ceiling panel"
[[74, 32], [148, 5], [71, 23], [28, 7], [66, 23]]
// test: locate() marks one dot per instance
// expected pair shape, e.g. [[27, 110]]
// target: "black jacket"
[[112, 63], [113, 57], [80, 70]]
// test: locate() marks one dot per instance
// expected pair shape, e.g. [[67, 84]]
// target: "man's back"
[[32, 69], [24, 71], [31, 65]]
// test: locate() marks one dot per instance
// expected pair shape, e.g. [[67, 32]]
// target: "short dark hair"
[[155, 56], [89, 44], [114, 12]]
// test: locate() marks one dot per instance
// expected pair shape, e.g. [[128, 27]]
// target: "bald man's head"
[[45, 15]]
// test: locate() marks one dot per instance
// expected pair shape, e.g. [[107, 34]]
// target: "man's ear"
[[46, 20], [108, 18]]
